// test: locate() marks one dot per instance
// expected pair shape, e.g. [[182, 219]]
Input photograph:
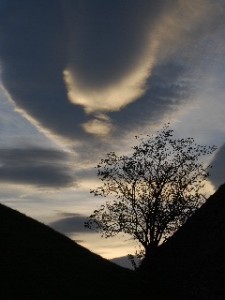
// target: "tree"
[[155, 189]]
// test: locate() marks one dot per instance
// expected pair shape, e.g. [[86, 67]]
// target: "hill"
[[37, 262], [191, 264], [125, 262]]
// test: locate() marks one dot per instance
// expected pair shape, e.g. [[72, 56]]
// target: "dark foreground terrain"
[[36, 262], [191, 265]]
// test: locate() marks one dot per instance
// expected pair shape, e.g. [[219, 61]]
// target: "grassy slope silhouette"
[[191, 264], [37, 262]]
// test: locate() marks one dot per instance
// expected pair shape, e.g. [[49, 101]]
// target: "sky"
[[80, 78]]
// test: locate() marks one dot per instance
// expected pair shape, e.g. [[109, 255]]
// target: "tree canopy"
[[153, 191]]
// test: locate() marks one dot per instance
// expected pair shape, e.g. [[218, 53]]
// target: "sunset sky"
[[80, 78]]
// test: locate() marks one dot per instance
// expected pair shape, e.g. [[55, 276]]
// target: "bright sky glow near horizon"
[[80, 78]]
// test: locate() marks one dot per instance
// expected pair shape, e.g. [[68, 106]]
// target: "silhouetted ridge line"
[[36, 262], [191, 265]]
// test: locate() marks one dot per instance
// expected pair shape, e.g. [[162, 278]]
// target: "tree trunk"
[[150, 253]]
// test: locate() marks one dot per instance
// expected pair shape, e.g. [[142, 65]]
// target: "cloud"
[[35, 166], [170, 28], [100, 126], [217, 173], [167, 33], [123, 58], [107, 39], [70, 223], [170, 88], [32, 65], [110, 98]]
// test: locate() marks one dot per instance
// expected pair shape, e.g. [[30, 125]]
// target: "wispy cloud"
[[90, 72], [70, 223], [38, 167], [112, 54]]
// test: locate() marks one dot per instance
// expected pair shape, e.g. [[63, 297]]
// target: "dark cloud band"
[[38, 167], [101, 42]]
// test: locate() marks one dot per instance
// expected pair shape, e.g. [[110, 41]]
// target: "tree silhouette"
[[155, 189]]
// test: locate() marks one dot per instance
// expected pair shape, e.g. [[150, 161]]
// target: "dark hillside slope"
[[191, 265], [37, 262]]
